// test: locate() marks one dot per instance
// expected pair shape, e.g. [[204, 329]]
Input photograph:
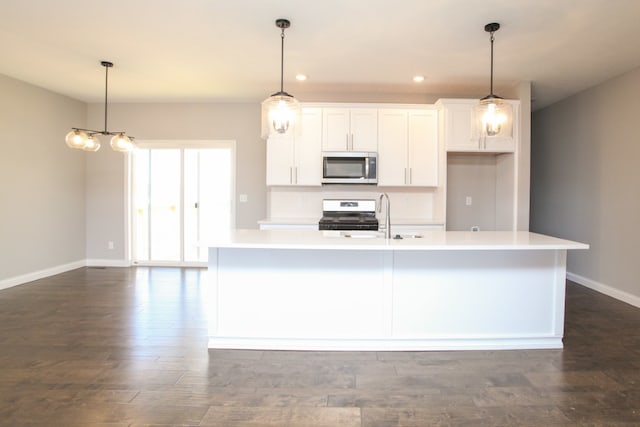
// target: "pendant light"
[[493, 114], [86, 139], [281, 112]]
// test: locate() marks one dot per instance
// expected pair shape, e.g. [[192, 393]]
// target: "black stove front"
[[348, 223], [348, 215]]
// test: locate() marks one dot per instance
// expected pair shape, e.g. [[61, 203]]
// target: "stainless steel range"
[[339, 214]]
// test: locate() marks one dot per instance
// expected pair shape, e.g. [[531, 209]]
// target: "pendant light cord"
[[282, 61], [106, 92], [491, 83]]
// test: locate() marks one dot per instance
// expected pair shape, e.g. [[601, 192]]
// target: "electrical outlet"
[[244, 198], [110, 244], [468, 201], [475, 228]]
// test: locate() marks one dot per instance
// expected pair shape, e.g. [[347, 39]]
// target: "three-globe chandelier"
[[86, 139]]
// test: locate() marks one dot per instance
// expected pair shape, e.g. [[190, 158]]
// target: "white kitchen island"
[[314, 290]]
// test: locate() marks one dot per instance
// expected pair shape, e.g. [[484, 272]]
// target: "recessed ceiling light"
[[301, 77], [418, 79]]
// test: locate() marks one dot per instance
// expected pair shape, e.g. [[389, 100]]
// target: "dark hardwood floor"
[[127, 347]]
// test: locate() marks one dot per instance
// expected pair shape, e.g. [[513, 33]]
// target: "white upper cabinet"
[[392, 147], [460, 131], [297, 160], [350, 129], [408, 147], [422, 148]]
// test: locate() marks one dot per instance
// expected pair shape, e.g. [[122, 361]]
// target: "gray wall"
[[106, 169], [474, 176], [585, 178], [42, 215]]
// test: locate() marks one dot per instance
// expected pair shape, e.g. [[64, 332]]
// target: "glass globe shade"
[[76, 139], [281, 114], [92, 144], [121, 142], [494, 117]]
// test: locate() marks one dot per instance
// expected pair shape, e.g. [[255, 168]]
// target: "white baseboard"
[[40, 274], [107, 263], [605, 289], [390, 344]]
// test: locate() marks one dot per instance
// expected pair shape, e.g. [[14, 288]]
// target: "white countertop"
[[301, 221], [430, 240]]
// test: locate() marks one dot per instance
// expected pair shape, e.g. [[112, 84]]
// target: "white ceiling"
[[211, 50]]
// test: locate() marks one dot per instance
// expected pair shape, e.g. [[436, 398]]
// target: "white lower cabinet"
[[408, 147], [297, 160]]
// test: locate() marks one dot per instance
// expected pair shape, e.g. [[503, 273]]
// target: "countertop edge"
[[431, 241]]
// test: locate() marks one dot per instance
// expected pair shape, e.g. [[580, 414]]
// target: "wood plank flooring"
[[127, 347]]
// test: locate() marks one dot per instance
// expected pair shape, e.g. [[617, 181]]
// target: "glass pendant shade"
[[493, 116], [281, 115], [76, 139], [121, 142], [281, 112], [92, 144]]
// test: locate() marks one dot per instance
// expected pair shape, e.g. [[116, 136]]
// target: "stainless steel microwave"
[[349, 167]]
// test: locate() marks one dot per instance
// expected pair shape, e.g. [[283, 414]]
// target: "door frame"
[[174, 144]]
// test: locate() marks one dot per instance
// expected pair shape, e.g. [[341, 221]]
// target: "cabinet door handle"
[[296, 175], [410, 175], [347, 138], [290, 175]]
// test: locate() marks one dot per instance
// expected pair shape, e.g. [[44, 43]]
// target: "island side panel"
[[302, 294], [486, 299], [560, 294], [212, 292]]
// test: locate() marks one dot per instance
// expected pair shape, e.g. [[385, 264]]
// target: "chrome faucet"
[[387, 219]]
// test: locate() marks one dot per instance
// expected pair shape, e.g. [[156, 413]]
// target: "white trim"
[[127, 206], [108, 263], [40, 274], [179, 264], [605, 289], [186, 143], [481, 343]]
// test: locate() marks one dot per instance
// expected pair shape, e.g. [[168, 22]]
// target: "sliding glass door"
[[181, 198]]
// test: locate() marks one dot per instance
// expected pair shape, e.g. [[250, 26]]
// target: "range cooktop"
[[339, 214]]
